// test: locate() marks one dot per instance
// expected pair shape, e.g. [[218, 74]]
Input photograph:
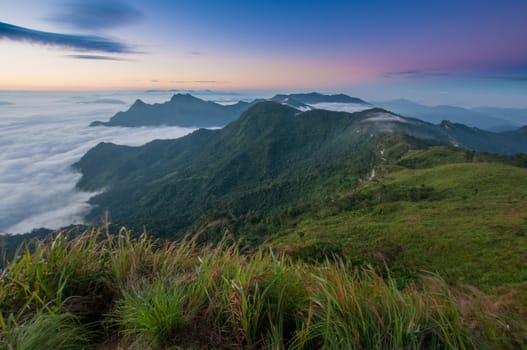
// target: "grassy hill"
[[467, 221], [377, 244]]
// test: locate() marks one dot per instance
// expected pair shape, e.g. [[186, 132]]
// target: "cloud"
[[414, 74], [39, 144], [5, 103], [108, 101], [96, 57], [95, 14], [89, 43], [194, 81], [191, 54]]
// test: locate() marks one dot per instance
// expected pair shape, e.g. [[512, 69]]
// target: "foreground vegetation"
[[100, 291]]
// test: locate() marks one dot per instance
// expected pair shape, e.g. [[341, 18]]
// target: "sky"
[[461, 52]]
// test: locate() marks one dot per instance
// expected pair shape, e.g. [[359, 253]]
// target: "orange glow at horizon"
[[38, 68]]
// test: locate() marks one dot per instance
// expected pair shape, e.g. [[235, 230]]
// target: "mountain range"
[[182, 110], [487, 118], [272, 157], [186, 110]]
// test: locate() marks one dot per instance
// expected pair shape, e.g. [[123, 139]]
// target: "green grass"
[[179, 295], [43, 331], [466, 221], [153, 313]]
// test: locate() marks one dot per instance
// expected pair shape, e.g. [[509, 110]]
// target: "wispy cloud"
[[95, 14], [193, 81], [109, 101], [414, 74], [97, 57], [193, 54], [88, 43]]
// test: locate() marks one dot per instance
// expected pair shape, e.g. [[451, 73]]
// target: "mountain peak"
[[138, 103], [184, 97]]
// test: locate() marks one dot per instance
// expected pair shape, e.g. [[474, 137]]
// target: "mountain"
[[182, 110], [271, 158], [491, 119]]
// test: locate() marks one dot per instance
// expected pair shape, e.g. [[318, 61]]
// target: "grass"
[[179, 295], [43, 331], [153, 313], [466, 222]]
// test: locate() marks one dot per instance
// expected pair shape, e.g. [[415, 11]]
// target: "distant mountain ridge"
[[487, 118], [182, 110], [186, 110]]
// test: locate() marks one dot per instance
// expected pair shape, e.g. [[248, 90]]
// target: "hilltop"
[[461, 219]]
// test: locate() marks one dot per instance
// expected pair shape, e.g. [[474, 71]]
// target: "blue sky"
[[463, 52]]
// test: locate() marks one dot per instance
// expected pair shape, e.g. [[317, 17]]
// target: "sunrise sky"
[[464, 52]]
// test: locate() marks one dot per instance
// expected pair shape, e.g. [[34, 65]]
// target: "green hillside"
[[272, 158], [267, 160], [467, 221]]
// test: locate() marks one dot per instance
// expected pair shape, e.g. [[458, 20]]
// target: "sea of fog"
[[43, 133]]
